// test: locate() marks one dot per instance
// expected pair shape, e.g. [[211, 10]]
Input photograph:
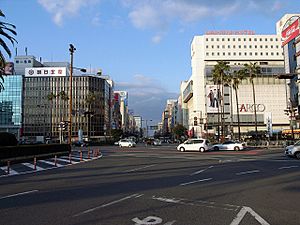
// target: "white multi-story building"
[[237, 48]]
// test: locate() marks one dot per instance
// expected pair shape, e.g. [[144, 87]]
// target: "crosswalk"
[[46, 164]]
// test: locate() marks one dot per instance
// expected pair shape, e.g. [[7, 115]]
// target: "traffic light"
[[63, 125], [195, 121]]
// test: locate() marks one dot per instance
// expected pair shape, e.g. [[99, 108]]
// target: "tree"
[[6, 30], [90, 99], [220, 74], [236, 79], [179, 130], [252, 70]]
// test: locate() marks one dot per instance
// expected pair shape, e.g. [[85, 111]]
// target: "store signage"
[[45, 71], [250, 108], [230, 32], [290, 32]]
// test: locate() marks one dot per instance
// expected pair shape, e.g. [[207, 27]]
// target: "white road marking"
[[64, 160], [108, 204], [200, 171], [196, 181], [50, 163], [11, 171], [197, 203], [140, 168], [287, 167], [18, 194], [247, 172], [237, 220], [32, 166]]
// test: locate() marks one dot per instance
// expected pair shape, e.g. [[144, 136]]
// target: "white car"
[[228, 145], [198, 144], [126, 143], [293, 150]]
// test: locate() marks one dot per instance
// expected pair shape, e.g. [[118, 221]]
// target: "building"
[[11, 104], [237, 48], [46, 104], [289, 29], [124, 109]]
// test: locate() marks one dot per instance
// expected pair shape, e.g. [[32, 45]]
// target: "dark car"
[[80, 144]]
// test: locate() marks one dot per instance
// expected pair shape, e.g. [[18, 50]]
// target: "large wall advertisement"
[[213, 95]]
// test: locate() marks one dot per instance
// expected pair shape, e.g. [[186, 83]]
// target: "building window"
[[260, 39], [229, 53], [250, 53], [218, 53], [233, 46], [217, 39], [271, 46], [245, 46], [206, 46], [255, 53], [250, 46], [244, 39], [261, 53], [240, 46], [255, 39], [233, 39], [271, 39], [240, 53], [218, 46], [228, 39], [267, 53], [261, 46], [266, 46], [207, 54], [239, 39], [255, 46], [249, 39], [234, 53], [277, 53], [272, 53], [228, 46], [212, 53], [223, 39], [206, 39], [277, 46], [266, 39], [212, 39], [245, 53], [223, 46], [276, 39]]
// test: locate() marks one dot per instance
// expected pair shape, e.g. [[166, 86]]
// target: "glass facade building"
[[11, 105]]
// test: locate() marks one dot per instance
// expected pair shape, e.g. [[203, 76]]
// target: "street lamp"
[[71, 50]]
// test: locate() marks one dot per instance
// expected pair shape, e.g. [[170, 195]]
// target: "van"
[[199, 144]]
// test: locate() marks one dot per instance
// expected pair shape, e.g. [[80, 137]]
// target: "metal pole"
[[71, 49]]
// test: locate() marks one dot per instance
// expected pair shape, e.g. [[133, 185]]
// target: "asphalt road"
[[158, 185]]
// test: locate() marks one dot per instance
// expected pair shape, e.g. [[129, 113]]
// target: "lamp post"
[[71, 50]]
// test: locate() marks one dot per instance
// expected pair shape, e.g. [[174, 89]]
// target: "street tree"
[[252, 70], [179, 130], [7, 31]]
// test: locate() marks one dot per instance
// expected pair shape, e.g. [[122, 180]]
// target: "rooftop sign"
[[45, 71], [230, 32], [291, 31]]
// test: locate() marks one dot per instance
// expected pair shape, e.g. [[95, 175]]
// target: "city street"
[[158, 185]]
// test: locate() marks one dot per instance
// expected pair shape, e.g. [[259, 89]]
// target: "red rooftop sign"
[[230, 32], [290, 32]]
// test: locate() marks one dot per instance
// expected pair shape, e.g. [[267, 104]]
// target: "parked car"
[[198, 144], [228, 145], [126, 143], [293, 150]]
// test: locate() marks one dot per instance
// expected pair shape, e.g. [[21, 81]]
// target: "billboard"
[[291, 31], [213, 97], [9, 68], [45, 71]]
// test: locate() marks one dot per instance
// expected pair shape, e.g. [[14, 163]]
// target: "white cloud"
[[146, 96], [156, 39], [61, 9]]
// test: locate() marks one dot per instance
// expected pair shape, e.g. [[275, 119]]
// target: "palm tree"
[[252, 70], [220, 75], [6, 29], [236, 79], [90, 98]]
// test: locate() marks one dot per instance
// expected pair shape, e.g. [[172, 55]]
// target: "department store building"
[[237, 48]]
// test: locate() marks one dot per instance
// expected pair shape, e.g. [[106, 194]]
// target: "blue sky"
[[144, 45]]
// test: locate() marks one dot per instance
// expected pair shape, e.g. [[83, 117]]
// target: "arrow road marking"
[[239, 217]]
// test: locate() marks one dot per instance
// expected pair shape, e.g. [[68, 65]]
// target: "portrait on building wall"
[[213, 96], [9, 68]]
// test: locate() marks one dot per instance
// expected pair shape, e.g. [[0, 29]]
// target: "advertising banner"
[[290, 32], [45, 71], [268, 122], [213, 96]]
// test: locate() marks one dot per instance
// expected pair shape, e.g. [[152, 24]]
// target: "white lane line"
[[287, 167], [32, 166], [11, 171], [18, 194], [108, 204], [247, 172], [195, 181], [140, 168], [200, 171], [50, 163], [64, 160]]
